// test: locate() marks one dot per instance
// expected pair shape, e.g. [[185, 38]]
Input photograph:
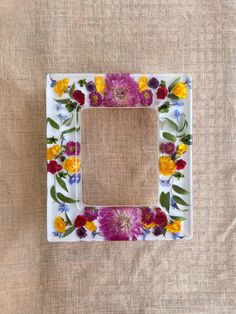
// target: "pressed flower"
[[53, 151], [59, 224], [162, 91], [100, 84], [119, 223], [75, 178], [81, 232], [158, 231], [79, 97], [147, 215], [160, 218], [167, 166], [95, 99], [90, 213], [61, 86], [90, 86], [174, 226], [80, 221], [146, 98], [167, 148], [142, 83], [180, 90], [53, 167], [172, 202], [121, 91], [153, 83], [180, 164], [72, 164], [72, 148], [181, 149], [90, 225], [63, 207]]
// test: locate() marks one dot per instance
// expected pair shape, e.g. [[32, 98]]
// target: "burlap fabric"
[[187, 277]]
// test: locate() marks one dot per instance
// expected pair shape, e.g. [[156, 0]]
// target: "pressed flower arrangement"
[[68, 218]]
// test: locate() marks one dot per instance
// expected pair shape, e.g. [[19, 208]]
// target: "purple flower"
[[95, 99], [146, 98], [75, 178], [72, 148], [176, 236], [57, 234], [53, 82], [81, 232], [90, 213], [121, 91], [177, 103], [167, 148], [119, 223], [153, 83], [63, 207], [158, 231], [147, 215], [177, 114], [90, 86], [165, 182], [172, 202], [188, 82]]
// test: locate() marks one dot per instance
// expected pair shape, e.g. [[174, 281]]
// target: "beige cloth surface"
[[194, 36], [119, 155]]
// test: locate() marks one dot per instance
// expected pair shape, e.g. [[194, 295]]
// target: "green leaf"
[[53, 123], [173, 84], [71, 106], [72, 89], [68, 219], [172, 96], [186, 139], [179, 218], [68, 231], [165, 107], [62, 174], [179, 190], [172, 124], [62, 101], [178, 175], [82, 82], [65, 199], [70, 130], [185, 125], [165, 200], [51, 140], [53, 194], [169, 136], [180, 201], [68, 121], [61, 183]]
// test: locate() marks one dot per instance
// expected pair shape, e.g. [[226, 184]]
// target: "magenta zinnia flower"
[[72, 148], [147, 215], [146, 98], [121, 91], [119, 223], [95, 99]]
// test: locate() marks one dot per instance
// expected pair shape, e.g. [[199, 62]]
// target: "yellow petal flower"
[[100, 84], [72, 164], [59, 224], [60, 86], [181, 149], [53, 151], [90, 225], [174, 226], [148, 226], [167, 166], [180, 90], [142, 83]]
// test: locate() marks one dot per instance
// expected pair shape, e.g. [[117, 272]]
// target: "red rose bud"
[[53, 167], [162, 90], [79, 97], [180, 164], [80, 221], [160, 218]]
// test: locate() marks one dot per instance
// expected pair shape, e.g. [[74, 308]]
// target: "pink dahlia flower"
[[119, 223], [121, 91], [72, 148]]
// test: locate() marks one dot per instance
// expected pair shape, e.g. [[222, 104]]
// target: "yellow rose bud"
[[142, 83], [60, 86], [180, 90], [167, 166], [181, 149], [90, 225], [72, 164], [59, 224], [100, 84], [174, 226], [53, 151]]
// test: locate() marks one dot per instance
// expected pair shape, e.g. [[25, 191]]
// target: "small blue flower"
[[57, 234], [62, 117], [176, 236], [172, 202], [177, 114], [58, 107], [165, 182], [178, 103], [188, 82], [145, 233], [75, 178], [53, 82], [63, 207]]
